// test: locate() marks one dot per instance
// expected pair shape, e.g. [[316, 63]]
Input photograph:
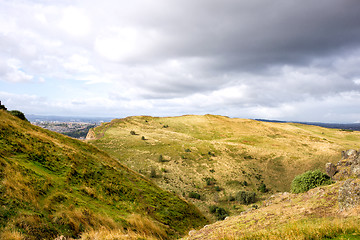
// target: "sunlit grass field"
[[229, 150]]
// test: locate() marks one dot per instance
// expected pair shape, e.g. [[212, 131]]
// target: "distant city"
[[76, 127]]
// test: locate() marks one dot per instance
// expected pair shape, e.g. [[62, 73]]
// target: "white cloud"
[[298, 60], [75, 21]]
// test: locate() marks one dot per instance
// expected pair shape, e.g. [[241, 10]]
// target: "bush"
[[152, 173], [219, 212], [246, 197], [209, 181], [262, 188], [194, 195], [18, 114], [231, 198], [132, 132], [309, 180]]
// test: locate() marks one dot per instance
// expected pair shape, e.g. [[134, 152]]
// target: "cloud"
[[259, 58]]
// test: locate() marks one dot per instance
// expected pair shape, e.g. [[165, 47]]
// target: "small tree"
[[143, 138], [132, 133], [161, 159], [219, 212], [246, 197], [309, 180]]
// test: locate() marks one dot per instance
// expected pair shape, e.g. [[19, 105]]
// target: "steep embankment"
[[53, 185], [216, 156], [326, 212]]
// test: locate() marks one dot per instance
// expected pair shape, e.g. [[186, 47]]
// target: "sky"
[[272, 59]]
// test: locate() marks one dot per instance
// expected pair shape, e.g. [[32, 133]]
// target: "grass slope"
[[311, 215], [214, 155], [53, 185]]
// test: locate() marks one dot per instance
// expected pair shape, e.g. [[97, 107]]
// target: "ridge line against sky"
[[280, 59]]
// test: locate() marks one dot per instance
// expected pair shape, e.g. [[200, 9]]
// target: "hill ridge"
[[53, 185]]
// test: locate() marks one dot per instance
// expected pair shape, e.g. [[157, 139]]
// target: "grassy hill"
[[324, 212], [311, 215], [52, 185], [215, 157]]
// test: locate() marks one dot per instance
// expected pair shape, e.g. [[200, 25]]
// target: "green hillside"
[[214, 157], [52, 185], [323, 212]]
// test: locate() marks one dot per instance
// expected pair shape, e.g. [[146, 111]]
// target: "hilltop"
[[52, 185], [209, 159]]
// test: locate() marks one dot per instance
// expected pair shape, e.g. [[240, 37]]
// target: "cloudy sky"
[[274, 59]]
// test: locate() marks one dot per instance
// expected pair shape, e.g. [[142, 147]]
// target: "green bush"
[[219, 212], [309, 180], [18, 114], [246, 197], [209, 181], [152, 173], [262, 188], [194, 195]]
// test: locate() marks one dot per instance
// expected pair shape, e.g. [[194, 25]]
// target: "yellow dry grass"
[[311, 215], [106, 234], [227, 149]]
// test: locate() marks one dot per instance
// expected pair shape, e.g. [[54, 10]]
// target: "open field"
[[216, 156]]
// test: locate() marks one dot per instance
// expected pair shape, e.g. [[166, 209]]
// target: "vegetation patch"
[[309, 180]]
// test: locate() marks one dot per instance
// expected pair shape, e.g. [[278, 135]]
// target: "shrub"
[[187, 150], [194, 195], [143, 138], [153, 173], [231, 198], [217, 188], [132, 132], [246, 197], [209, 181], [18, 114], [309, 180], [219, 212], [262, 188]]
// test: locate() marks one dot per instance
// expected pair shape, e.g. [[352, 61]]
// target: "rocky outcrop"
[[331, 169], [91, 135], [349, 194], [347, 167], [347, 170]]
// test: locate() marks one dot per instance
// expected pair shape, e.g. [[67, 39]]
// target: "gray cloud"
[[259, 58]]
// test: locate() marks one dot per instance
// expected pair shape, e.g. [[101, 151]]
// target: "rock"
[[349, 194], [331, 169], [348, 166], [349, 154]]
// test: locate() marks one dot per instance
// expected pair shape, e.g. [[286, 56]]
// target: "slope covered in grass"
[[52, 185], [325, 212], [216, 157]]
